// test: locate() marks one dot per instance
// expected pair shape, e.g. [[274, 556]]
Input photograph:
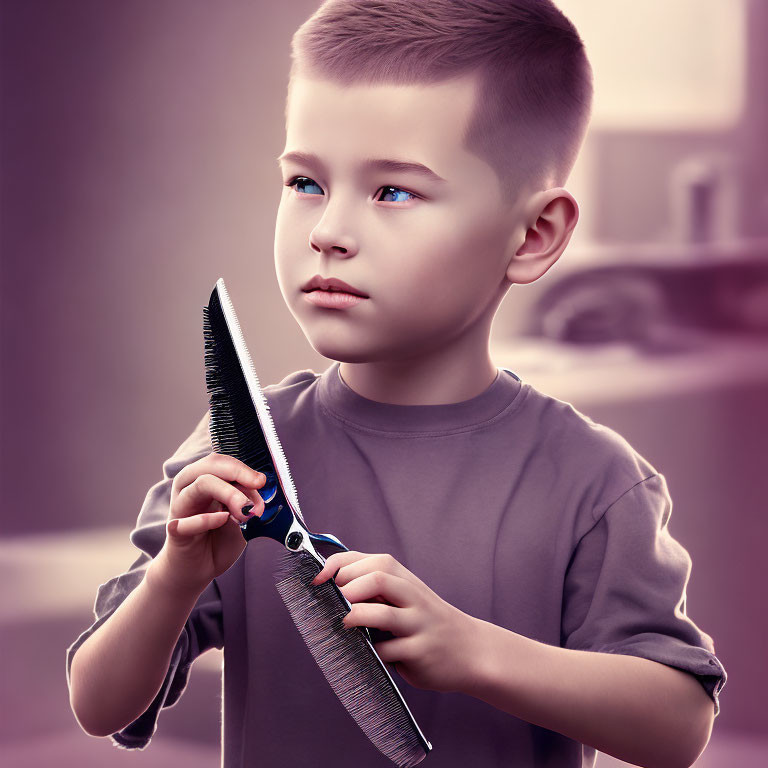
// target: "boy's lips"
[[333, 299], [332, 284]]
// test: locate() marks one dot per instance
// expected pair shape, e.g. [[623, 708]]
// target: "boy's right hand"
[[203, 535]]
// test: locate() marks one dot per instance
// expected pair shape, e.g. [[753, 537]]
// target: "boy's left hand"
[[432, 647]]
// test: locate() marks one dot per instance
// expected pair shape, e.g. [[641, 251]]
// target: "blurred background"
[[137, 145]]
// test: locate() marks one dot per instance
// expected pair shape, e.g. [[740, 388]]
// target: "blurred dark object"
[[643, 304]]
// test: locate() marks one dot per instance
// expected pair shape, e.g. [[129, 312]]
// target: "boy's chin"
[[342, 354], [334, 347]]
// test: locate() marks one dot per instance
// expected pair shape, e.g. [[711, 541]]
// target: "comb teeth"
[[352, 669], [234, 429]]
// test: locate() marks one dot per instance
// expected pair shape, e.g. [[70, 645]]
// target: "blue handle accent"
[[277, 518]]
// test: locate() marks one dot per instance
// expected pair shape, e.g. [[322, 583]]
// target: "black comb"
[[241, 426]]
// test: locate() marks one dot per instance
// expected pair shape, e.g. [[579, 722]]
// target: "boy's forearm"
[[119, 669], [634, 709]]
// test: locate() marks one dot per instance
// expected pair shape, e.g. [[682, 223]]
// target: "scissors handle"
[[279, 523]]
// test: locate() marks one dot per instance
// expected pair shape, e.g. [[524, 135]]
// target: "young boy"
[[518, 552]]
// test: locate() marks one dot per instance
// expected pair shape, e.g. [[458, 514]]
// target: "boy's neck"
[[453, 380]]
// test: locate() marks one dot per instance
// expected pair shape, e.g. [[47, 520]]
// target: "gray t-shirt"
[[512, 506]]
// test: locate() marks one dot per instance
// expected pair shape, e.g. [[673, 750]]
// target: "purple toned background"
[[137, 147]]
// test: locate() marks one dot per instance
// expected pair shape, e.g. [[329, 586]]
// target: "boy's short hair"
[[535, 81]]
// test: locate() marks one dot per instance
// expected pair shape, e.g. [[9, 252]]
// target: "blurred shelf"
[[602, 373], [664, 254], [48, 577], [59, 574]]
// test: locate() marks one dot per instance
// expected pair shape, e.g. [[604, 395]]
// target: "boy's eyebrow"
[[379, 163]]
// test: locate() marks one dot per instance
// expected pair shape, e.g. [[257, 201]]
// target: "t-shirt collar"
[[346, 404]]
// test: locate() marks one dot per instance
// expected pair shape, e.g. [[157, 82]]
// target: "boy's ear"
[[549, 218]]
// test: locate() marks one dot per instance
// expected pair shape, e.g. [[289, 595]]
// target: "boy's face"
[[430, 255]]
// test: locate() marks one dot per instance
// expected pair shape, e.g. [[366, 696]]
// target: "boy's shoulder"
[[579, 444], [287, 396], [302, 377]]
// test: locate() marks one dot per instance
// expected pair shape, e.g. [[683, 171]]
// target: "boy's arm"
[[128, 656], [635, 677], [106, 654], [637, 710]]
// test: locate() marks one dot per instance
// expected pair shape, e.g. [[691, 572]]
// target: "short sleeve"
[[203, 629], [625, 589]]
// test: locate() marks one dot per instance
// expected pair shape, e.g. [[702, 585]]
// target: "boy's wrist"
[[160, 578], [482, 661], [479, 669]]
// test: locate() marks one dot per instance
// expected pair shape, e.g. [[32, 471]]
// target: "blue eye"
[[397, 189], [306, 181], [301, 180]]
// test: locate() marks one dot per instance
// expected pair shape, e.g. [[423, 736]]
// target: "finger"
[[394, 589], [254, 479], [379, 562], [197, 497], [184, 527], [391, 651], [219, 464], [390, 618], [336, 561], [251, 491]]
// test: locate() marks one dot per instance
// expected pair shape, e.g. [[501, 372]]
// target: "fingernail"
[[246, 510]]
